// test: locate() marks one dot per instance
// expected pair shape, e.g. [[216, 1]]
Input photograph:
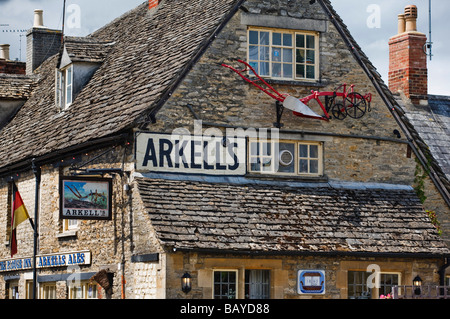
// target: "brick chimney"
[[408, 71], [42, 42], [6, 65]]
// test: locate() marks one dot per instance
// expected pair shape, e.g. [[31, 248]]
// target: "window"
[[12, 289], [387, 281], [286, 157], [64, 87], [283, 54], [358, 288], [83, 290], [257, 284], [70, 224], [225, 284], [48, 291]]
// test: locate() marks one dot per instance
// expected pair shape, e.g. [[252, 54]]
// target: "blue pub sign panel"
[[311, 282]]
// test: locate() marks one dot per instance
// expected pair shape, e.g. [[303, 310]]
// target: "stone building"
[[143, 160]]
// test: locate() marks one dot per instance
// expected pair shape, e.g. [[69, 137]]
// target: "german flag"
[[19, 214]]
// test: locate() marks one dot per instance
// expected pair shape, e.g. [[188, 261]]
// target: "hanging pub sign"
[[190, 154], [85, 198]]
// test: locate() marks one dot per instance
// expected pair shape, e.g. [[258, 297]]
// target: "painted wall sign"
[[85, 198], [311, 282], [174, 153], [45, 261]]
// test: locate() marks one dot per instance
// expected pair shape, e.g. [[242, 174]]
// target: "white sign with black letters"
[[173, 153]]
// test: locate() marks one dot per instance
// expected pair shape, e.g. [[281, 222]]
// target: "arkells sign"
[[311, 282], [85, 198], [173, 153], [45, 261]]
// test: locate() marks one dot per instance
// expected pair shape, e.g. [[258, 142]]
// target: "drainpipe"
[[37, 174], [441, 273]]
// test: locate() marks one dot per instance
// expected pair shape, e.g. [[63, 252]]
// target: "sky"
[[371, 22]]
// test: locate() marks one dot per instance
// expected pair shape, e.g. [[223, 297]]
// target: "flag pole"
[[37, 174]]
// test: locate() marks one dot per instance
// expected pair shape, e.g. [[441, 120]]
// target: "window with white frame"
[[284, 54], [285, 157], [64, 87]]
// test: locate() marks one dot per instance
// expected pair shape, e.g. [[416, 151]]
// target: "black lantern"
[[417, 283], [186, 284]]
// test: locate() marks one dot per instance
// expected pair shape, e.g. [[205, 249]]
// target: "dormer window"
[[79, 60], [64, 87]]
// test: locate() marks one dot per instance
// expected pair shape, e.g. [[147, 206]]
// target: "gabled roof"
[[268, 219], [152, 51]]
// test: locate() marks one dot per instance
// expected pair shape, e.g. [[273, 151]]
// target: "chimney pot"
[[38, 18], [4, 51], [401, 23], [411, 18]]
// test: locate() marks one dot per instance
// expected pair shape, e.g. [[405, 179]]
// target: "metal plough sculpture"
[[339, 104]]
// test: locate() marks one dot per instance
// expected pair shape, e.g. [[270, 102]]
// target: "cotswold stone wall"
[[219, 96], [108, 241], [284, 271]]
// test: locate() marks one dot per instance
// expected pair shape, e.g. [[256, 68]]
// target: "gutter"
[[217, 251], [25, 165]]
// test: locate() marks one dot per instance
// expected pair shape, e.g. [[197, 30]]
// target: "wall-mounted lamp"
[[417, 283], [186, 283]]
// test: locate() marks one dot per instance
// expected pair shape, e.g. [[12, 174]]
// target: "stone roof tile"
[[241, 217]]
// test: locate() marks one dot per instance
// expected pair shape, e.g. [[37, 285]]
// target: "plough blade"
[[299, 107]]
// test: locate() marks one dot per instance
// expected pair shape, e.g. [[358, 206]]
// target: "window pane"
[[310, 57], [69, 76], [287, 70], [264, 70], [276, 54], [266, 149], [276, 70], [255, 165], [287, 55], [314, 151], [303, 150], [287, 40], [300, 56], [310, 72], [310, 42], [276, 39], [264, 53], [313, 166], [69, 95], [254, 148], [303, 166], [253, 37], [264, 38], [300, 40], [253, 52], [300, 70], [267, 164], [254, 65]]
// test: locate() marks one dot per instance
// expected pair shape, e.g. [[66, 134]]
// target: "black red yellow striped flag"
[[19, 214]]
